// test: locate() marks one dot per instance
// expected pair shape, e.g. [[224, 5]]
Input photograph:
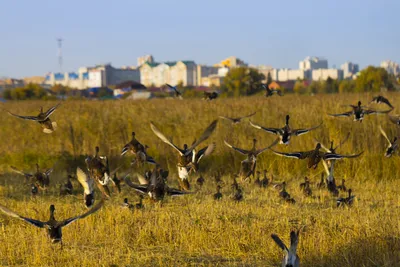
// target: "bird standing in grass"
[[291, 259]]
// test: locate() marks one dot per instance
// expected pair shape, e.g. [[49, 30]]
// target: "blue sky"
[[277, 33]]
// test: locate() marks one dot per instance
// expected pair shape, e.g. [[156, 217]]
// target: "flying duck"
[[392, 145], [198, 155], [157, 188], [237, 119], [177, 93], [248, 166], [315, 156], [359, 112], [381, 100], [285, 133], [291, 259], [43, 118], [270, 92], [186, 155], [53, 227], [40, 179], [87, 183], [139, 150]]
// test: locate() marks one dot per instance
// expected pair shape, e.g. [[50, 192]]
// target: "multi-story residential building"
[[323, 74], [283, 75], [349, 69], [313, 63], [266, 70], [98, 76], [203, 72], [144, 59], [34, 79], [158, 74], [231, 62], [391, 67]]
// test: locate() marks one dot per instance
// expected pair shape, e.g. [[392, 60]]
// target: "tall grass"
[[196, 230]]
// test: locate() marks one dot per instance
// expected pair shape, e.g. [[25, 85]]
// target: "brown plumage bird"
[[237, 119], [381, 100]]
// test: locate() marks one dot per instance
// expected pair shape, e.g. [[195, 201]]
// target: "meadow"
[[196, 230]]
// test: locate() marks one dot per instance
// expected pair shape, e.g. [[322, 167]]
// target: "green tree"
[[269, 78], [373, 79], [243, 81], [60, 89], [299, 87], [346, 86]]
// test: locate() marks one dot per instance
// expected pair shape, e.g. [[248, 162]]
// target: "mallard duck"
[[330, 180], [66, 188], [238, 119], [283, 193], [138, 150], [270, 92], [333, 149], [210, 95], [342, 187], [307, 189], [34, 190], [54, 227], [127, 205], [186, 155], [315, 156], [43, 118], [218, 195], [392, 145], [359, 112], [248, 165], [87, 183], [40, 179], [291, 259], [237, 194], [99, 170], [200, 181], [285, 133], [381, 100], [345, 200], [157, 188], [177, 93], [321, 184]]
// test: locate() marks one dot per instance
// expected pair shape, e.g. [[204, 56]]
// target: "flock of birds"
[[154, 182]]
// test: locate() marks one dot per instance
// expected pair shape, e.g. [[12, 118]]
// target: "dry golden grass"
[[195, 230]]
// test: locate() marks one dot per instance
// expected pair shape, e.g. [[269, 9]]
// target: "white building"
[[391, 67], [283, 75], [323, 74], [98, 76], [144, 59], [313, 63], [349, 69]]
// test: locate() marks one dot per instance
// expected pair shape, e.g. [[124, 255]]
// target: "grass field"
[[195, 230]]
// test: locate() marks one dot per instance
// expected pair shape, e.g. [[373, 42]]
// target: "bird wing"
[[85, 181], [258, 152], [296, 155], [141, 179], [298, 132], [227, 118], [294, 241], [139, 188], [204, 136], [279, 242], [384, 134], [345, 114], [36, 223], [269, 130], [333, 156], [50, 111], [204, 152], [48, 171], [20, 172], [386, 101], [175, 192], [241, 151], [32, 118], [371, 111], [92, 210], [164, 139]]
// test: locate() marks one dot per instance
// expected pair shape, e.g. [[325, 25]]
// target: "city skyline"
[[260, 33]]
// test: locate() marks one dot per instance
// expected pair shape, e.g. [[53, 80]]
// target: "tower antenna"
[[60, 59]]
